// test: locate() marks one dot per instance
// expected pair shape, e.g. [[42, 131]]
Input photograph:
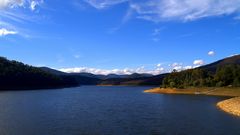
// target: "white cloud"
[[126, 71], [211, 53], [175, 64], [96, 71], [11, 14], [185, 10], [159, 65], [4, 32], [33, 4], [178, 68], [188, 67], [198, 62], [158, 69], [101, 4], [19, 3], [11, 3]]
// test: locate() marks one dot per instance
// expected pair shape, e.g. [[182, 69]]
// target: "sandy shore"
[[231, 106]]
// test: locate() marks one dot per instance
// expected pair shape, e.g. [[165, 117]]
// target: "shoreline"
[[231, 106]]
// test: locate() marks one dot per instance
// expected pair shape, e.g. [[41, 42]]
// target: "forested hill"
[[222, 73], [233, 60], [18, 76]]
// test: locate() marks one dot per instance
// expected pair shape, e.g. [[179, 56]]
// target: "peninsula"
[[221, 78], [231, 105]]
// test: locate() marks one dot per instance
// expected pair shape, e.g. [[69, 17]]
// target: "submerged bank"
[[231, 106]]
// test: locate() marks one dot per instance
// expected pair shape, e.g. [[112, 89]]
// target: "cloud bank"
[[158, 69], [125, 71], [184, 10]]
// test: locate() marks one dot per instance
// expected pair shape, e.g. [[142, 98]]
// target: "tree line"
[[227, 75], [16, 75]]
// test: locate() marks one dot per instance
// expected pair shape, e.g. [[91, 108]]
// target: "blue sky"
[[119, 36]]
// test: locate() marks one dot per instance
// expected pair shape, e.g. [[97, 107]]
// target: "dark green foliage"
[[227, 75], [16, 75]]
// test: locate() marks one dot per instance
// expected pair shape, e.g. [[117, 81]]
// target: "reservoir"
[[95, 110]]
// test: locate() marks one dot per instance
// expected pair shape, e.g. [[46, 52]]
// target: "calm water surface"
[[91, 110]]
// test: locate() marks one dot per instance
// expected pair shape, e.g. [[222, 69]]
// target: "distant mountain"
[[114, 76], [111, 76], [16, 75], [137, 80], [98, 76], [90, 75], [111, 79], [137, 75]]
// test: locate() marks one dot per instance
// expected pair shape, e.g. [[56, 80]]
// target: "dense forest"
[[225, 75], [15, 75]]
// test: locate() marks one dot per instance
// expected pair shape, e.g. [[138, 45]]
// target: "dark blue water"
[[91, 110]]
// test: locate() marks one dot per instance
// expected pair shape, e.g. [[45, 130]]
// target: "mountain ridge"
[[146, 79]]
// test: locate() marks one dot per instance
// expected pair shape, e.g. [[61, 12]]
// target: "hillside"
[[227, 61], [52, 71], [222, 73], [15, 76]]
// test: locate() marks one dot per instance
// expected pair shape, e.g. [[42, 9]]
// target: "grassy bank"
[[231, 106]]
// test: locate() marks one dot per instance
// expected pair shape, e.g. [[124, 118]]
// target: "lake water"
[[92, 110]]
